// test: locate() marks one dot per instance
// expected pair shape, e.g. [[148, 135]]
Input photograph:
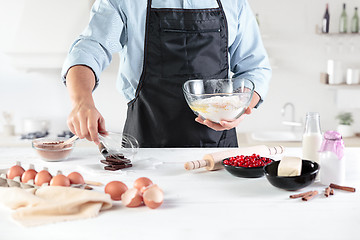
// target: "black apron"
[[180, 44]]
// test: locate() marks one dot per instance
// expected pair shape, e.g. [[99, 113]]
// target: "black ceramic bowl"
[[308, 174], [245, 172]]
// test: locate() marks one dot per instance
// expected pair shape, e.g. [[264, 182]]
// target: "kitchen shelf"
[[335, 34], [340, 34], [342, 86]]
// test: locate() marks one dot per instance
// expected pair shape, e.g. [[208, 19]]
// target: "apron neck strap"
[[219, 3]]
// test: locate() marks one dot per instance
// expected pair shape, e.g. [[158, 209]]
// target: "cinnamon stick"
[[309, 196], [349, 189], [300, 195], [332, 192], [328, 191]]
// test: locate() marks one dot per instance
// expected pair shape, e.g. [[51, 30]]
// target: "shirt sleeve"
[[248, 57], [103, 36]]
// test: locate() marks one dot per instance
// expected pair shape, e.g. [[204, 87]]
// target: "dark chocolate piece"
[[125, 160], [112, 163], [115, 156], [117, 167]]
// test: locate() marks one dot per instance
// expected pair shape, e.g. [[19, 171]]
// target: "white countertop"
[[198, 204]]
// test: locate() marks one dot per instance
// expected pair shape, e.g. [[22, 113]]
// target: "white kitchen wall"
[[33, 35], [298, 56]]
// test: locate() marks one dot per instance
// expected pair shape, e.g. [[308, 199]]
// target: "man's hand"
[[84, 120], [227, 125]]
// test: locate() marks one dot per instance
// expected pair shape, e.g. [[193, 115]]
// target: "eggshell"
[[115, 189], [42, 177], [146, 188], [153, 197], [76, 178], [142, 183], [15, 171], [28, 175], [132, 198], [60, 180]]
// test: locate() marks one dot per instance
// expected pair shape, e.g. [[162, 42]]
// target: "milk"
[[312, 138], [311, 144]]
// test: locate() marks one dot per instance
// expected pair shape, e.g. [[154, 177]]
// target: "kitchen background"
[[36, 34]]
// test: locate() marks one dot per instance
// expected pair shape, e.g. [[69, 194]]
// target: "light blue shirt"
[[118, 26]]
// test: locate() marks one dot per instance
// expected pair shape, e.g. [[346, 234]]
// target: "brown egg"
[[76, 178], [15, 171], [60, 180], [153, 197], [115, 189], [42, 177], [142, 183], [28, 175], [132, 198]]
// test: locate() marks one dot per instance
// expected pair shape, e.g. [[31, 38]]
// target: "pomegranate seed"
[[253, 160]]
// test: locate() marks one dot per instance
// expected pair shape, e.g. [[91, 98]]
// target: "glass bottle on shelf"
[[326, 20], [312, 137], [343, 20], [355, 22]]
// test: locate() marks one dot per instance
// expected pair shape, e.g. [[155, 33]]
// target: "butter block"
[[290, 166]]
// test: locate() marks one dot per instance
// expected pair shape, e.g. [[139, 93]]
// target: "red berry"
[[253, 160]]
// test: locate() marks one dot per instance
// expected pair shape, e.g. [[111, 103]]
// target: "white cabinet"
[[38, 33]]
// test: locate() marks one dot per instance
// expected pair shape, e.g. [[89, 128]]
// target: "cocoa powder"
[[53, 151]]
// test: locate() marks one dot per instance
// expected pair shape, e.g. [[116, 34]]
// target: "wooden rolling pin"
[[213, 161]]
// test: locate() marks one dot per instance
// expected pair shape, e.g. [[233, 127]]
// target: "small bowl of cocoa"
[[52, 149]]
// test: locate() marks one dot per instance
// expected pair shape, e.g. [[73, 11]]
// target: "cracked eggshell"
[[115, 189], [132, 198], [142, 183], [153, 197]]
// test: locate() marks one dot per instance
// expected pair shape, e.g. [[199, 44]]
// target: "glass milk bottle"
[[312, 137], [332, 159]]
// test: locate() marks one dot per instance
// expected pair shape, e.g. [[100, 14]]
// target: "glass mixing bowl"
[[118, 145], [49, 149], [219, 99]]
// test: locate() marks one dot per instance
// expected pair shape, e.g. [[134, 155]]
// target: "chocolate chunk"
[[112, 163], [115, 156], [117, 167], [113, 160]]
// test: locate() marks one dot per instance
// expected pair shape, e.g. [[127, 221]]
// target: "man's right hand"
[[84, 120]]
